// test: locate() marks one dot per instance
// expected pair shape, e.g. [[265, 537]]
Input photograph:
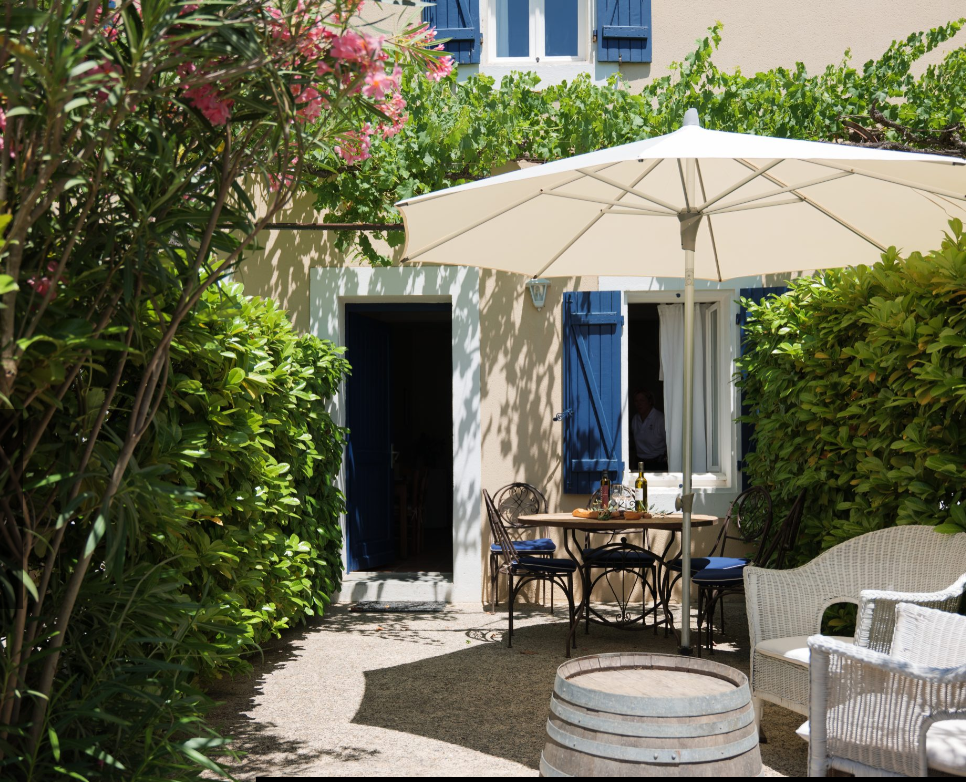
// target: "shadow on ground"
[[458, 684]]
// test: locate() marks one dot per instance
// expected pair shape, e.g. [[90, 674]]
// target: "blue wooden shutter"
[[748, 429], [592, 389], [623, 30], [458, 20]]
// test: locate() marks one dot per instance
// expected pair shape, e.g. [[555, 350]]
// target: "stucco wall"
[[758, 34]]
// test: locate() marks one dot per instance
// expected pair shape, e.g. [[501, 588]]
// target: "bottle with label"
[[605, 491], [640, 490]]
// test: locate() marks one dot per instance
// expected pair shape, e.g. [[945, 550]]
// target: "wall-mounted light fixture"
[[538, 291]]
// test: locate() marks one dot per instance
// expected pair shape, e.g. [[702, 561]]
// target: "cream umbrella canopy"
[[737, 205]]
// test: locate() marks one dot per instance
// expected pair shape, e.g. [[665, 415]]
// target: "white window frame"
[[669, 291], [538, 37]]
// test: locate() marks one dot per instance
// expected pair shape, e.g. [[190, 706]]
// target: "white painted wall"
[[331, 289]]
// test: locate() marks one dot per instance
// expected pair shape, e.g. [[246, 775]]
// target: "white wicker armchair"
[[876, 570], [904, 714]]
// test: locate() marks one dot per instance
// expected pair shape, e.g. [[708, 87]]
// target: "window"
[[653, 378], [539, 29]]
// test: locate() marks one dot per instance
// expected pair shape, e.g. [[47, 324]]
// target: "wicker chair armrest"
[[782, 603], [876, 618], [851, 688]]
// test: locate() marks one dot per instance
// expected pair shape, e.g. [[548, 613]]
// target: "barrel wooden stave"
[[600, 733]]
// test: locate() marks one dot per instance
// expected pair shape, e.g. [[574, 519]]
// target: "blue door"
[[369, 529]]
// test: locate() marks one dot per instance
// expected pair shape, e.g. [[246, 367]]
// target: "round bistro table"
[[672, 523]]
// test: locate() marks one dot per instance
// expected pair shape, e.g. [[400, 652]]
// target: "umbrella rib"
[[737, 185], [594, 220], [714, 244], [810, 183], [892, 180], [630, 190], [684, 187], [590, 200], [482, 221], [815, 205], [727, 209]]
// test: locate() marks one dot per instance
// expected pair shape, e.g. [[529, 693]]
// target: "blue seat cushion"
[[701, 564], [545, 565], [543, 545], [610, 557], [721, 576]]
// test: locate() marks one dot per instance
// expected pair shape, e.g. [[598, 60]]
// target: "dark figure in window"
[[648, 439]]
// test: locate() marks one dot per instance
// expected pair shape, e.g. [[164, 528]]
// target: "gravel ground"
[[432, 694]]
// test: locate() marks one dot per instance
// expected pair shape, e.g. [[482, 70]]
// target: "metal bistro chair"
[[751, 514], [513, 501], [527, 568], [714, 583], [615, 557]]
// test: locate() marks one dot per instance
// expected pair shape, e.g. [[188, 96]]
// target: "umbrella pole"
[[688, 420], [689, 230]]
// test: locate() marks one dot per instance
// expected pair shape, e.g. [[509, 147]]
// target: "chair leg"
[[700, 615], [572, 615], [511, 599], [585, 572], [494, 593], [758, 704], [721, 600]]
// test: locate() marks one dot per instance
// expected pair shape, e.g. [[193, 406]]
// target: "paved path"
[[430, 694]]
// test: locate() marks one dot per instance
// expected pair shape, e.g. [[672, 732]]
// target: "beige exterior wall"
[[521, 347], [758, 34]]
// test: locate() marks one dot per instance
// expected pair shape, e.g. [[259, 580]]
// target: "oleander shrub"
[[855, 384]]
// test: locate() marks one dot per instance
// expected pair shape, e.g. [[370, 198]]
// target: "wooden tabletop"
[[671, 522]]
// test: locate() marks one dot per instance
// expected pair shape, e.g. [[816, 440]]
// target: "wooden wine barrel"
[[649, 715]]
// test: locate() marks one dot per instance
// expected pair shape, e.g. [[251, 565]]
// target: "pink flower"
[[440, 69], [41, 286], [352, 47], [379, 83], [349, 46], [206, 99], [3, 126], [354, 147]]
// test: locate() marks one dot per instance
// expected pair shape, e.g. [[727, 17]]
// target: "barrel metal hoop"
[[634, 706], [644, 755], [651, 729], [546, 770]]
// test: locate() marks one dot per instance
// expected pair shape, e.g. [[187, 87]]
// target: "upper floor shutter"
[[623, 30], [748, 429], [458, 20], [592, 389]]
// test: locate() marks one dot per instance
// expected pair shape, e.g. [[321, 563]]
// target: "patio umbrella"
[[737, 204]]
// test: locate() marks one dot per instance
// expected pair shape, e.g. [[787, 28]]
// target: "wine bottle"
[[605, 491], [640, 490]]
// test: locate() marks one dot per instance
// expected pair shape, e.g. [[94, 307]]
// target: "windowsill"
[[533, 62], [670, 482]]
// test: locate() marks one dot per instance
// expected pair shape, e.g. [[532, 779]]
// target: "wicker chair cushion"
[[793, 649], [540, 565], [540, 544], [699, 564], [945, 745], [594, 556]]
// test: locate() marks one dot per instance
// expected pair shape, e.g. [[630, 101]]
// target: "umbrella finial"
[[691, 118]]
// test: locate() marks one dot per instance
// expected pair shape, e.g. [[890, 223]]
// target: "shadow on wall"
[[280, 270], [522, 383]]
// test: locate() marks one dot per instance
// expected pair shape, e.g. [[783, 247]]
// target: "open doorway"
[[399, 460], [646, 432]]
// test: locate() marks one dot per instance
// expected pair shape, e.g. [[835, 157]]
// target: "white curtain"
[[672, 373]]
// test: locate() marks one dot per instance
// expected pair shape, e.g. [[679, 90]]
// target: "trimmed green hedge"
[[247, 453], [855, 380]]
